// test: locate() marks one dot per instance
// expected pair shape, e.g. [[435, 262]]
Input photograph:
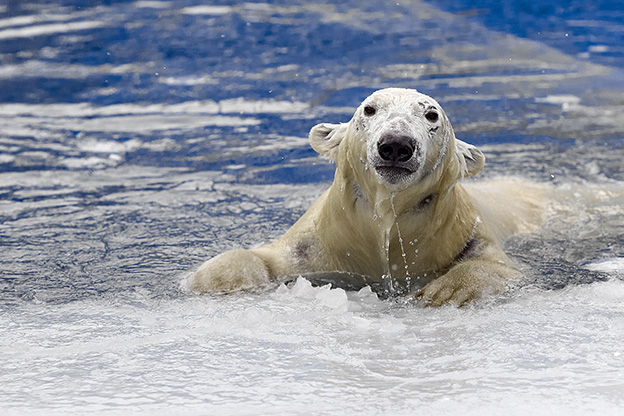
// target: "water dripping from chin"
[[391, 284]]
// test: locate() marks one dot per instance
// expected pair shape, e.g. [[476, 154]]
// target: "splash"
[[390, 282], [396, 222], [387, 276]]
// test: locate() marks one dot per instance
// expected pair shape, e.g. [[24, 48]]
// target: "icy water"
[[138, 139]]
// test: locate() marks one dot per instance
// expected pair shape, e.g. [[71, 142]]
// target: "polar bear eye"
[[370, 110], [432, 116]]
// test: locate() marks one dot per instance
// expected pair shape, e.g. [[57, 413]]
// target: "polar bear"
[[395, 212]]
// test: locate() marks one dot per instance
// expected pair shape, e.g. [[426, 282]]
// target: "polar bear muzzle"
[[396, 149], [396, 157]]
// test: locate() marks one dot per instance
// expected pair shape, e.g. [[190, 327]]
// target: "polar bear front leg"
[[468, 281], [229, 272]]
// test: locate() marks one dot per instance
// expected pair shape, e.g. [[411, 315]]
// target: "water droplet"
[[403, 254], [387, 278]]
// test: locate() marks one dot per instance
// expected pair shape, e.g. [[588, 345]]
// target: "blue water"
[[139, 138], [591, 31]]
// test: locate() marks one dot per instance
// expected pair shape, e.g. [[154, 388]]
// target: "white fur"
[[408, 218]]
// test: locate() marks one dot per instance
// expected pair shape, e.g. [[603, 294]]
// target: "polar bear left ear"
[[471, 160], [326, 137]]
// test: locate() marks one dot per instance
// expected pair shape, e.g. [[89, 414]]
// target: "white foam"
[[89, 162], [567, 102], [4, 158], [147, 123], [599, 48], [559, 99], [207, 10], [109, 146], [232, 106], [146, 4], [40, 18], [325, 295], [609, 265], [48, 29], [301, 344]]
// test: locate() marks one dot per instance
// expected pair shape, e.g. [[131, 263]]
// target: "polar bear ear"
[[471, 160], [326, 137]]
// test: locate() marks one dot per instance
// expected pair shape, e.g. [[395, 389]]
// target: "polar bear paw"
[[229, 272], [467, 282]]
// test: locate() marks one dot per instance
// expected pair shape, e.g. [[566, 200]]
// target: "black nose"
[[395, 148]]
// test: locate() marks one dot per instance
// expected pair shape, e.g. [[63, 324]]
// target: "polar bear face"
[[404, 132], [402, 136]]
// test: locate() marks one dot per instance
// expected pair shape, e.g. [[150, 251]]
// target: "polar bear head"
[[402, 136]]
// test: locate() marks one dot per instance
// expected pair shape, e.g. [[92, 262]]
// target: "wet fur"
[[451, 236]]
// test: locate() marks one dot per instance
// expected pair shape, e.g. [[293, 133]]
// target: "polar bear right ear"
[[326, 137], [471, 160]]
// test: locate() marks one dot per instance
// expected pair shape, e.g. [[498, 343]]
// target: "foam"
[[608, 265], [48, 29]]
